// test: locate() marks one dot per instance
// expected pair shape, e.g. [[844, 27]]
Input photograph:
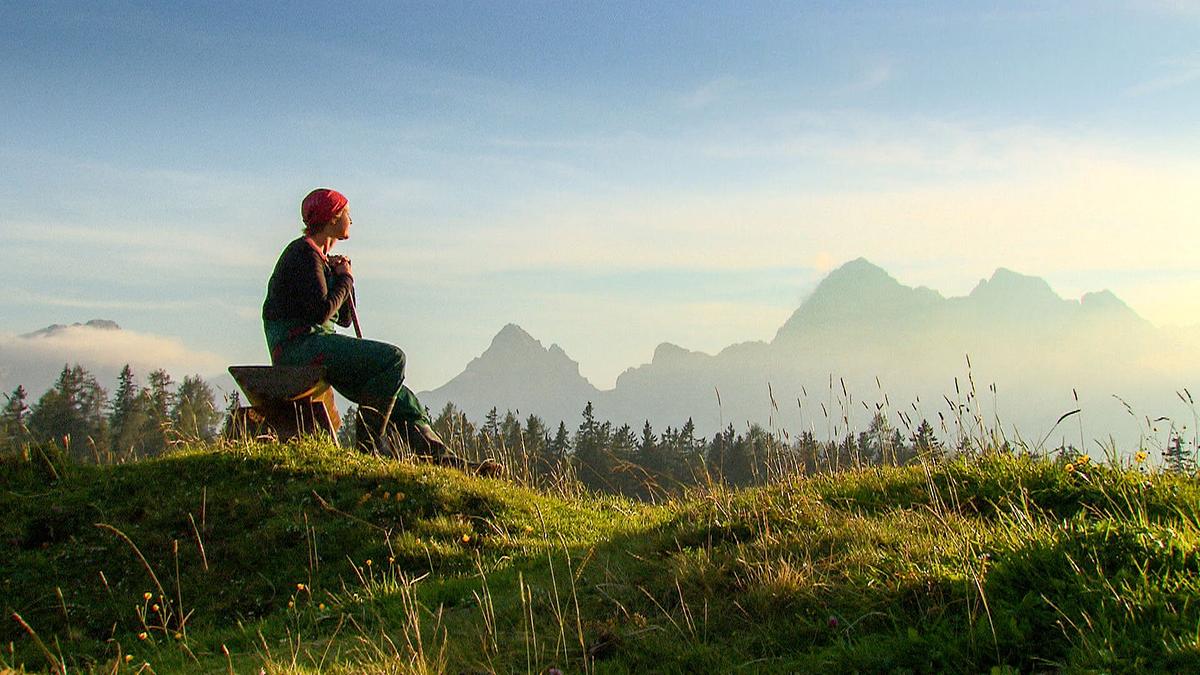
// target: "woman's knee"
[[397, 357]]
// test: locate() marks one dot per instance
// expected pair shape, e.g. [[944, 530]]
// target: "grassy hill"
[[305, 558]]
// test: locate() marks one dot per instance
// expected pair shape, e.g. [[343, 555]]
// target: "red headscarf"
[[321, 205]]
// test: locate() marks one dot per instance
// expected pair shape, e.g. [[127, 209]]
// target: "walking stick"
[[333, 262], [354, 316], [387, 416]]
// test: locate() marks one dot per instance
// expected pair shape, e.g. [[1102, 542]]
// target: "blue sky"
[[607, 175]]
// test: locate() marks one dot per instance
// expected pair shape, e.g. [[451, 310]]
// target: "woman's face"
[[340, 227]]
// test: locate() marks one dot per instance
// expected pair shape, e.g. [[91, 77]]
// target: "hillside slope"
[[303, 558]]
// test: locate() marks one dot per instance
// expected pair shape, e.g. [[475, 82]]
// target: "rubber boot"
[[426, 443], [371, 437]]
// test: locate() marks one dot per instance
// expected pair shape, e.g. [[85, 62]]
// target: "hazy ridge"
[[893, 346]]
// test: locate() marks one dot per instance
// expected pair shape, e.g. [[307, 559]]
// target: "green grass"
[[261, 554]]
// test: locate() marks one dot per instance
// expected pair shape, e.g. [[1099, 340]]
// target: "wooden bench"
[[288, 401]]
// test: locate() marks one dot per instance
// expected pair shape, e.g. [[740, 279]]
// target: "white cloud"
[[928, 146], [1176, 74], [36, 361], [874, 77], [153, 247], [709, 93], [34, 298]]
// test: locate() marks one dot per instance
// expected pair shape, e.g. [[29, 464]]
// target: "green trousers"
[[368, 372]]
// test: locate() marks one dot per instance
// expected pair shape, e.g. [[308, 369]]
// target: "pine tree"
[[901, 452], [760, 447], [444, 422], [691, 458], [129, 417], [624, 442], [589, 451], [846, 455], [510, 432], [739, 466], [160, 401], [645, 446], [587, 428], [925, 443], [622, 447], [490, 433], [14, 417], [194, 415], [560, 446], [233, 403], [809, 450], [72, 413], [873, 444], [536, 440], [719, 450], [1177, 457], [664, 459], [348, 432]]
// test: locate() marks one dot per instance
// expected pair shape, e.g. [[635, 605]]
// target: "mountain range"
[[59, 329], [1012, 353]]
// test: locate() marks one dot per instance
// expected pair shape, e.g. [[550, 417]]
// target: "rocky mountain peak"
[[1009, 287], [857, 276], [513, 338], [54, 329], [858, 291], [516, 372]]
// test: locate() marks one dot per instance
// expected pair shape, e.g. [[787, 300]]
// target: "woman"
[[311, 290]]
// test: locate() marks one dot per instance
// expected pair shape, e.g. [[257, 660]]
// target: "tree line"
[[77, 414], [646, 463]]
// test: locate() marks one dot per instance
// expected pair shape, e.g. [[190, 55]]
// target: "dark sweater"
[[303, 288]]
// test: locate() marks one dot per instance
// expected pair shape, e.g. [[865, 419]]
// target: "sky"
[[607, 175]]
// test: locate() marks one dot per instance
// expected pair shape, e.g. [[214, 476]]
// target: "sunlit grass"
[[305, 558]]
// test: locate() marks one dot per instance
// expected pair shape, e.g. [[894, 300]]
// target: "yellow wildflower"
[[466, 538], [1085, 459], [142, 635], [399, 496], [147, 595], [300, 587], [321, 607], [369, 562], [387, 495], [1140, 456], [128, 658], [1070, 468], [154, 607], [178, 636], [391, 561], [291, 604]]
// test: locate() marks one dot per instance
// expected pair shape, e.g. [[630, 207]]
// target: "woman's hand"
[[340, 265]]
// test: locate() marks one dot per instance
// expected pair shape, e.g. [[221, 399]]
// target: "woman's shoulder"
[[297, 243], [300, 247], [296, 256]]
